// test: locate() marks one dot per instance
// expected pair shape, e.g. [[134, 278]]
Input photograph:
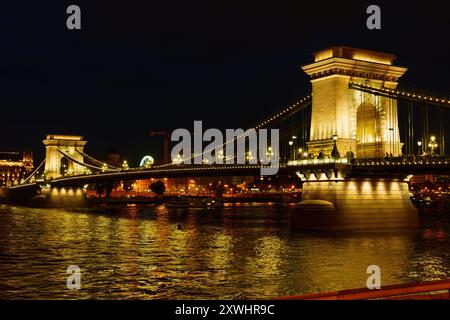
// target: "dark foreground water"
[[234, 252]]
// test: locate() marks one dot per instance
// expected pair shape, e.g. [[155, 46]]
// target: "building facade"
[[14, 166]]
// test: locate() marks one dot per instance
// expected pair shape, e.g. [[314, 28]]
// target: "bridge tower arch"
[[73, 146], [365, 124]]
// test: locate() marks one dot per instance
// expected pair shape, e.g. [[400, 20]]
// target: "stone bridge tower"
[[56, 164], [364, 123]]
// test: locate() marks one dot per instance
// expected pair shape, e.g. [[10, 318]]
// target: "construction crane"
[[165, 135]]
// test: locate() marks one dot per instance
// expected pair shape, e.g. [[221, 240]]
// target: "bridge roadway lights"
[[60, 197], [354, 205]]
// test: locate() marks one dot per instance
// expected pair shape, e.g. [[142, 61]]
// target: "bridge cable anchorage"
[[96, 161], [403, 94], [274, 118], [33, 173], [81, 163]]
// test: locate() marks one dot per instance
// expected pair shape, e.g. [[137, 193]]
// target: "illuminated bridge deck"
[[358, 167]]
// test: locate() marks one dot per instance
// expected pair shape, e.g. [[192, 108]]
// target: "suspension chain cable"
[[289, 110], [33, 173]]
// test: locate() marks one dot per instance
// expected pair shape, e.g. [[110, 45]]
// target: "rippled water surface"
[[236, 252]]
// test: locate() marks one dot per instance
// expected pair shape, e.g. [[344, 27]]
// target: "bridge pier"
[[60, 197], [20, 195], [355, 204]]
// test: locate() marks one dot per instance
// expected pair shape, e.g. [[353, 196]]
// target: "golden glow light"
[[322, 55], [370, 58]]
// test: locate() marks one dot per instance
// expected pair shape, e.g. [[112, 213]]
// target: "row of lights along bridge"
[[300, 153]]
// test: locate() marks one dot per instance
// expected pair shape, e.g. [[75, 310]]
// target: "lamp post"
[[391, 138], [291, 143], [419, 144], [335, 152], [294, 138], [178, 159], [433, 145], [125, 165]]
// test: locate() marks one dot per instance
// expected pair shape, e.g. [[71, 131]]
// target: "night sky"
[[150, 65]]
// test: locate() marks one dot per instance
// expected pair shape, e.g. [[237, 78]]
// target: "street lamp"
[[221, 157], [433, 145], [291, 143], [335, 152], [294, 138], [391, 138], [125, 165], [419, 144], [177, 160]]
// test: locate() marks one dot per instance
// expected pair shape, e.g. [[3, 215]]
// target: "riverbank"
[[232, 198]]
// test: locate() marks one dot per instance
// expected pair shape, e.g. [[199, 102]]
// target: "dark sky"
[[148, 65]]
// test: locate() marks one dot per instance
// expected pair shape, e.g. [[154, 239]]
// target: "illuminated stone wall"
[[370, 204], [70, 197], [364, 124], [68, 144]]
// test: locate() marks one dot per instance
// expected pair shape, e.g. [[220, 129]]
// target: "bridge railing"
[[407, 160], [308, 162]]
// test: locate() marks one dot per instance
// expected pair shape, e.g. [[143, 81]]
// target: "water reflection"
[[151, 252]]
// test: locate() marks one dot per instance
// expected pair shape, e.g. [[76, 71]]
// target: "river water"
[[237, 252]]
